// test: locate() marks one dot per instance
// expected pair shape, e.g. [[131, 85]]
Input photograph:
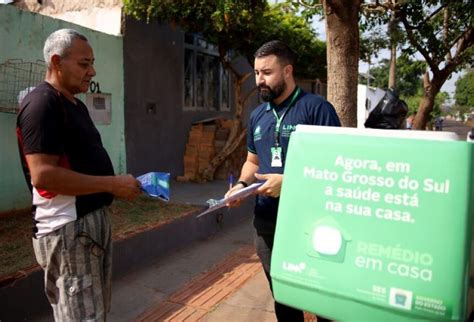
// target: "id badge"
[[276, 157]]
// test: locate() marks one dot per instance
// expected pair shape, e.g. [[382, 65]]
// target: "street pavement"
[[212, 280], [169, 287], [217, 279], [252, 302], [458, 127]]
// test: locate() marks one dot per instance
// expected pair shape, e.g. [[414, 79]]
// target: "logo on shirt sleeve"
[[257, 134]]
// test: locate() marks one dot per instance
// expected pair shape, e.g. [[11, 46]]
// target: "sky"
[[449, 85]]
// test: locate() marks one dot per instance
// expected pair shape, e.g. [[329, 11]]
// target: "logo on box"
[[401, 298], [295, 268]]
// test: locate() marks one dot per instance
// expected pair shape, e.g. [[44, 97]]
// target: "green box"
[[375, 225]]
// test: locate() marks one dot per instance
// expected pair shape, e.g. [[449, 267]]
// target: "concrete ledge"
[[24, 299], [144, 248]]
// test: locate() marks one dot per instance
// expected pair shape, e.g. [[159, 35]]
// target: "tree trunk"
[[368, 72], [392, 77], [423, 115], [393, 31], [236, 134], [342, 30], [431, 89]]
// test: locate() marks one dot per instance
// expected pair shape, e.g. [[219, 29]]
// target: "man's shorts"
[[77, 262]]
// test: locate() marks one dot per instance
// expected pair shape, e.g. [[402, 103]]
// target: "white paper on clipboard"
[[241, 194]]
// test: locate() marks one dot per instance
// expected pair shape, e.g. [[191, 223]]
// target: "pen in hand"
[[231, 181]]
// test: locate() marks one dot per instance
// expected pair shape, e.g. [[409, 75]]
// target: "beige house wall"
[[101, 15]]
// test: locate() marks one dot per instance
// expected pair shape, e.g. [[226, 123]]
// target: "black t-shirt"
[[51, 124]]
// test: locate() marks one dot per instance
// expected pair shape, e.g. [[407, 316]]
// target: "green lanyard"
[[280, 119]]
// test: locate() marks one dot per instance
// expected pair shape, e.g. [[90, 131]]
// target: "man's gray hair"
[[59, 42]]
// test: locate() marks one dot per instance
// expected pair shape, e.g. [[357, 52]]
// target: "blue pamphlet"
[[156, 184]]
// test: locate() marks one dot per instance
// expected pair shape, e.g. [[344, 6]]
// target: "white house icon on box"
[[328, 240]]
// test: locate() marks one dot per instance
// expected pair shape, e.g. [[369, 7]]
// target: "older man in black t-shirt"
[[72, 181]]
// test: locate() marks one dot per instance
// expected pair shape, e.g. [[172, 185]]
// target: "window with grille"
[[206, 82]]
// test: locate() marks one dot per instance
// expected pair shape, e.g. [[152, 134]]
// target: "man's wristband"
[[245, 184]]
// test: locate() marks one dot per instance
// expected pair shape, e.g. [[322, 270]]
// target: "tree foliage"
[[281, 23], [433, 35], [239, 25], [442, 32], [408, 73], [371, 43], [227, 24], [439, 102], [413, 101], [464, 94]]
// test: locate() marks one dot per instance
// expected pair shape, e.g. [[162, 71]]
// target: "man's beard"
[[268, 94]]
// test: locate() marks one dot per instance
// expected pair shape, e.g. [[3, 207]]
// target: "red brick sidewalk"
[[193, 301], [202, 294]]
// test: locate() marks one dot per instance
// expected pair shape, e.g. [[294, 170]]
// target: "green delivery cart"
[[375, 225]]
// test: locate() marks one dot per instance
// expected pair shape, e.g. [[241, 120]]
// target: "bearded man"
[[268, 135]]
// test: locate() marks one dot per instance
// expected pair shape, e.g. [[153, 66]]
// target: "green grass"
[[16, 250]]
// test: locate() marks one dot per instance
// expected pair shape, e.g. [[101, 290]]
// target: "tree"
[[396, 38], [342, 51], [370, 45], [442, 32], [464, 93], [279, 22], [241, 26], [409, 82], [413, 102], [372, 19], [408, 74], [342, 30]]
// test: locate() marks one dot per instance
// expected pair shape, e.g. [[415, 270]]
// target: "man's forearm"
[[248, 172], [67, 182]]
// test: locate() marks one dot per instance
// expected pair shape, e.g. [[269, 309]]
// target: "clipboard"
[[220, 203]]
